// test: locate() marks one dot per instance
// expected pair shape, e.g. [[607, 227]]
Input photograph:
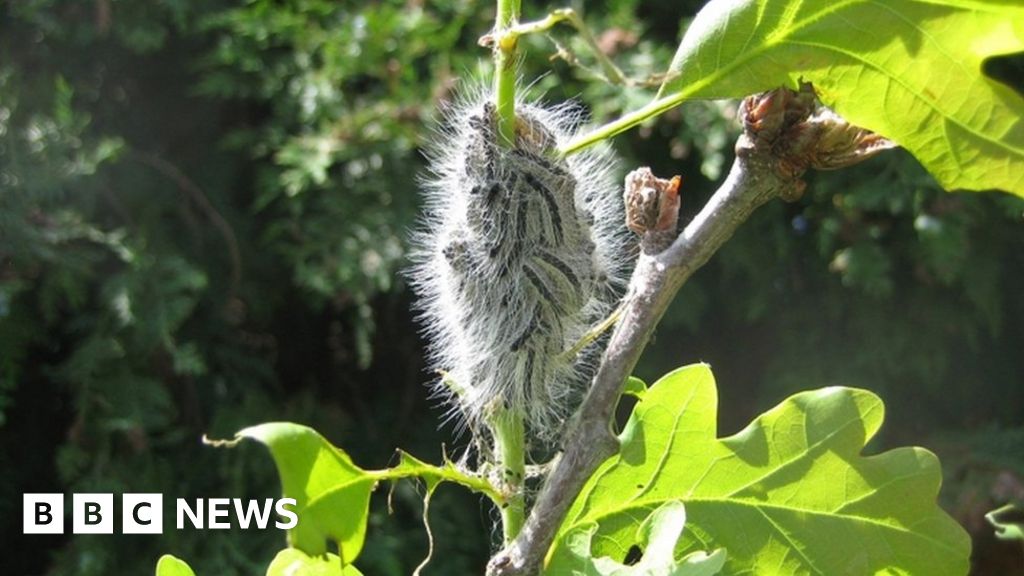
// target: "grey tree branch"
[[768, 164]]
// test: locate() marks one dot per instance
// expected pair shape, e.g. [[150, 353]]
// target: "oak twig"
[[768, 164]]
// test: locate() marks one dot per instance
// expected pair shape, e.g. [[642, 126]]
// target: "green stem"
[[593, 334], [612, 73], [432, 475], [510, 456], [505, 69], [507, 427], [656, 108]]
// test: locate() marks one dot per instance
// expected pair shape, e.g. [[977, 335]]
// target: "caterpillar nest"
[[520, 254]]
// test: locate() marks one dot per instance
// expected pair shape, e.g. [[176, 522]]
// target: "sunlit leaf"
[[790, 494], [292, 562], [170, 566], [332, 493], [909, 70]]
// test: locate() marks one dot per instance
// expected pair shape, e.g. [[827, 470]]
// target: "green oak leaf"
[[293, 562], [908, 70], [170, 566], [332, 494], [789, 494], [658, 535]]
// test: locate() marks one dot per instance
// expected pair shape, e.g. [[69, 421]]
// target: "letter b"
[[42, 513], [93, 514]]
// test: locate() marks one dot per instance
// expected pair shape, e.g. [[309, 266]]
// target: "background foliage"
[[203, 213]]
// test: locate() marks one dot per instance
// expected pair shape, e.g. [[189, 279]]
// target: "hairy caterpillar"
[[520, 252]]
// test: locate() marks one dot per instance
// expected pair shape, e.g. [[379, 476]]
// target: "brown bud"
[[652, 203], [801, 133], [842, 144]]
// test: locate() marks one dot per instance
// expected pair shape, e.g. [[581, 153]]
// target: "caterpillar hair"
[[519, 253]]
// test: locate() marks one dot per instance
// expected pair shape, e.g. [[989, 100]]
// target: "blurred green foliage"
[[204, 209]]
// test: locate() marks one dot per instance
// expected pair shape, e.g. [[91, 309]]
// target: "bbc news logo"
[[143, 513]]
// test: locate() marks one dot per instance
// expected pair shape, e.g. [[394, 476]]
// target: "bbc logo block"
[[92, 513], [144, 513], [43, 514]]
